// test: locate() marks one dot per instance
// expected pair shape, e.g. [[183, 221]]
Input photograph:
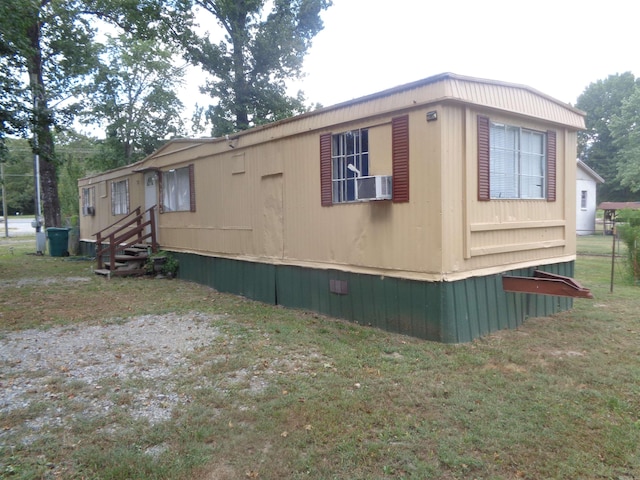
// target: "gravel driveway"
[[52, 376]]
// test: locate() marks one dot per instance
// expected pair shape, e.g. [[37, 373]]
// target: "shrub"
[[629, 229]]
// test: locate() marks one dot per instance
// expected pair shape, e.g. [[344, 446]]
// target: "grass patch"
[[287, 394]]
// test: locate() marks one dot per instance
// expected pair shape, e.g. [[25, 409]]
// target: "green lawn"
[[558, 398]]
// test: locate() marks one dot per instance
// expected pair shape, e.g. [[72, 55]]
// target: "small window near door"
[[583, 200], [88, 201], [178, 190]]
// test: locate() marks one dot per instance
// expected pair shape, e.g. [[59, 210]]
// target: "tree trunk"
[[49, 180], [43, 141]]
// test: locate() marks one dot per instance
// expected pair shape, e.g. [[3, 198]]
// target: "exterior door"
[[272, 216], [151, 195]]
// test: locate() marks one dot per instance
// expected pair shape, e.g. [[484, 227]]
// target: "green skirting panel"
[[450, 312], [249, 279]]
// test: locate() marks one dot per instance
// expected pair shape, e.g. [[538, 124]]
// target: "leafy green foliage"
[[134, 96], [162, 262], [261, 49], [625, 129], [51, 45], [630, 235], [598, 145], [73, 151], [18, 180], [13, 97], [49, 50]]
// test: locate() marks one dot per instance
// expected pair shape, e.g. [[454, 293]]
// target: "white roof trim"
[[585, 168]]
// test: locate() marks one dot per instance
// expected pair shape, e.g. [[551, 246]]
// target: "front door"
[[151, 195]]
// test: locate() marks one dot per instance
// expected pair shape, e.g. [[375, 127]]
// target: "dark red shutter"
[[326, 189], [400, 158], [192, 189], [484, 158], [160, 193], [551, 166]]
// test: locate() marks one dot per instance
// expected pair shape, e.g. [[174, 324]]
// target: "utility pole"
[[4, 201], [37, 224]]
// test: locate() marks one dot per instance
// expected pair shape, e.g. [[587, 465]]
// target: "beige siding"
[[501, 233], [258, 193], [91, 224]]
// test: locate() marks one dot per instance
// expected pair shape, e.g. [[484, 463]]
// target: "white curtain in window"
[[120, 197], [176, 190]]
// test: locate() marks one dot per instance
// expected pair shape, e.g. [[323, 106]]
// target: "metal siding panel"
[[462, 311], [315, 294], [418, 306], [345, 301], [492, 302], [378, 302], [263, 283], [434, 311], [514, 311], [333, 303], [406, 323], [358, 299], [321, 294], [368, 307], [249, 279], [481, 305], [449, 331], [449, 312], [391, 305], [287, 281]]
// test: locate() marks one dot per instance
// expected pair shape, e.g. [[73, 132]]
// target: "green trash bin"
[[58, 241]]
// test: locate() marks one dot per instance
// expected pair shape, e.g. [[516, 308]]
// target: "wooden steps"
[[127, 243], [128, 261]]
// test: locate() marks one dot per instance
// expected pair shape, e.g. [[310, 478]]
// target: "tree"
[[13, 97], [19, 177], [73, 151], [134, 96], [625, 132], [51, 43], [602, 101], [629, 228], [260, 51]]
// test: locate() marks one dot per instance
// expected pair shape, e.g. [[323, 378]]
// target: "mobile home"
[[403, 210]]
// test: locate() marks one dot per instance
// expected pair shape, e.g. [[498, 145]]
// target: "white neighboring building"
[[586, 182]]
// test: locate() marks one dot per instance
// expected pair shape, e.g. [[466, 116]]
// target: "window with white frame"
[[120, 197], [349, 159], [88, 201], [583, 199], [518, 162], [177, 190]]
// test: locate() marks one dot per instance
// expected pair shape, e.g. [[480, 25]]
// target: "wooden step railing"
[[124, 235]]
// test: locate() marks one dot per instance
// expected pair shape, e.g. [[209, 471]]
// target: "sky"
[[558, 47]]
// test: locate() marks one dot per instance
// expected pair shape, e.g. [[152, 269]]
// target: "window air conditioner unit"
[[375, 187]]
